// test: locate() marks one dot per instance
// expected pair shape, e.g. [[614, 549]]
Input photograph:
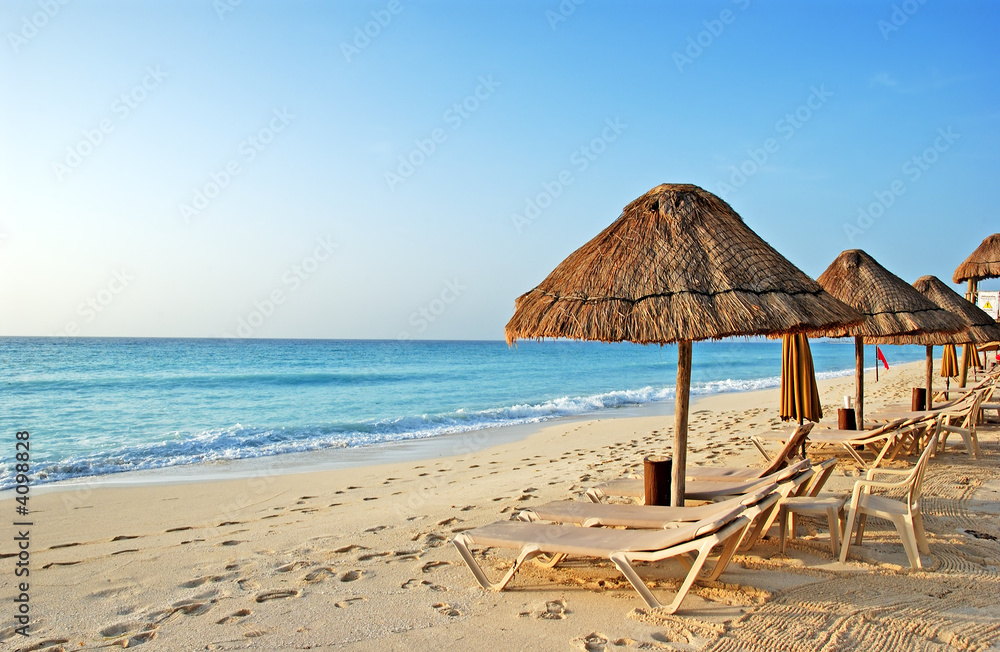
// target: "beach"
[[360, 557]]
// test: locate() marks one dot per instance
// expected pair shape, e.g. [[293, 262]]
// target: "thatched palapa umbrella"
[[678, 265], [979, 326], [984, 262], [891, 307]]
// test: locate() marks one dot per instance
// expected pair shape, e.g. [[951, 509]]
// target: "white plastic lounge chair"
[[787, 455], [881, 441], [758, 505], [966, 429], [697, 489], [622, 547], [904, 514]]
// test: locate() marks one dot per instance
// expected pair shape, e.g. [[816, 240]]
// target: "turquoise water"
[[100, 406]]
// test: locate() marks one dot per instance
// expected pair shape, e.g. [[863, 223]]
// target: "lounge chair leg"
[[783, 528], [905, 528], [848, 529], [731, 547], [861, 528], [624, 565], [549, 561], [462, 543], [833, 519], [920, 533]]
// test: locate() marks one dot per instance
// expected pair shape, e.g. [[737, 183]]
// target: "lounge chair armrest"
[[873, 472], [877, 484]]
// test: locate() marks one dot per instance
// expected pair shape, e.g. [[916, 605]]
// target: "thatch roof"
[[678, 264], [980, 327], [984, 262], [891, 306]]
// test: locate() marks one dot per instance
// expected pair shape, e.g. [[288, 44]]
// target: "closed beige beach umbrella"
[[678, 265], [982, 263], [891, 307], [799, 392], [979, 326]]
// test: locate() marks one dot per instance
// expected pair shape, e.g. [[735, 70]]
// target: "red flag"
[[881, 357]]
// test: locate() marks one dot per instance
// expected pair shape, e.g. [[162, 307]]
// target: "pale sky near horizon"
[[267, 169]]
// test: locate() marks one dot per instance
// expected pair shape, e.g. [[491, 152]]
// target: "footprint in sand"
[[351, 576], [343, 604], [592, 641], [414, 583], [319, 575], [431, 565], [448, 521], [230, 542], [552, 610], [373, 555], [123, 537], [233, 617], [114, 631], [247, 585], [446, 609], [192, 607], [179, 529], [277, 594], [350, 548], [377, 528], [198, 581], [293, 565]]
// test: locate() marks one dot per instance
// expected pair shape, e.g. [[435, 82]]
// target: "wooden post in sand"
[[859, 380], [683, 390], [930, 375], [963, 371]]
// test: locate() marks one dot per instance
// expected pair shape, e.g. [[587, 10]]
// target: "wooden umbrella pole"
[[963, 372], [859, 380], [679, 469], [930, 374]]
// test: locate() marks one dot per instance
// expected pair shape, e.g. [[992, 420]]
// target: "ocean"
[[102, 406]]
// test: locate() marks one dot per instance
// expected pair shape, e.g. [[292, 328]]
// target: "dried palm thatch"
[[678, 265], [980, 328], [984, 262], [891, 306]]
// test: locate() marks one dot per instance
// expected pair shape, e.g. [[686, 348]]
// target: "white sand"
[[360, 558]]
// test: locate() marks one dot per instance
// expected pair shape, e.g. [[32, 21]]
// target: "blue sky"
[[266, 169]]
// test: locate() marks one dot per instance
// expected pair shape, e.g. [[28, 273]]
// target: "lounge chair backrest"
[[716, 522], [794, 443], [784, 475], [758, 494], [917, 476]]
